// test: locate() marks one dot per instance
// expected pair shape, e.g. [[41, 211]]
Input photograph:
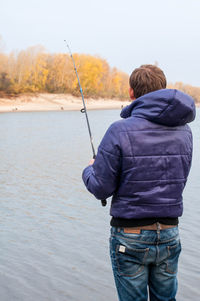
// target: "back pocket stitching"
[[167, 265], [146, 251]]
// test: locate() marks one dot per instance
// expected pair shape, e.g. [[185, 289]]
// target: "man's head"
[[145, 79]]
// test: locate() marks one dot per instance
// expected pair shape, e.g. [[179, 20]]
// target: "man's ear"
[[131, 93]]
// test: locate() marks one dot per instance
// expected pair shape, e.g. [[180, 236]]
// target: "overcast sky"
[[127, 33]]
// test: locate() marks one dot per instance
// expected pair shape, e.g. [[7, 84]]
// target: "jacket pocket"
[[130, 261], [172, 259]]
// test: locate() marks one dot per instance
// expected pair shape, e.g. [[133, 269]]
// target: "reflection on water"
[[53, 233]]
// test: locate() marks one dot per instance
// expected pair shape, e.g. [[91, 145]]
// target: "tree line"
[[33, 70]]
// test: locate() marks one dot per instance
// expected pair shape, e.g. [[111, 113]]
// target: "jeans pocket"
[[130, 261], [172, 259]]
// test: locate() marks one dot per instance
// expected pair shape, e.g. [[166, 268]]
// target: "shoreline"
[[56, 102]]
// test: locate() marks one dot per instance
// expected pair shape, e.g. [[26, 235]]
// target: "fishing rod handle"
[[103, 202]]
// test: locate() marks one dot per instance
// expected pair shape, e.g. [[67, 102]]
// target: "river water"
[[53, 233]]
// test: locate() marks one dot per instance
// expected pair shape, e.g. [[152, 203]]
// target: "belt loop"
[[158, 226], [158, 230]]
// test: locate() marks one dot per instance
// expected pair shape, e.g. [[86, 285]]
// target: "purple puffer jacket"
[[143, 161]]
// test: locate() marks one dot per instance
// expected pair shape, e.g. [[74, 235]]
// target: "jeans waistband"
[[155, 226]]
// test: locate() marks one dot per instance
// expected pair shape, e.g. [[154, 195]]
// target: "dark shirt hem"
[[122, 222]]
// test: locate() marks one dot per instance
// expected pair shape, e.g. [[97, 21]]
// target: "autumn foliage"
[[34, 70]]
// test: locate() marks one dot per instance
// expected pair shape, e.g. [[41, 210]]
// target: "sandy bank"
[[56, 102]]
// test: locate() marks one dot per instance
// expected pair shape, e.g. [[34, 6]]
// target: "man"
[[143, 162]]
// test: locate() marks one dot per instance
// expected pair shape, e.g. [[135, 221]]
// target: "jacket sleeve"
[[102, 177]]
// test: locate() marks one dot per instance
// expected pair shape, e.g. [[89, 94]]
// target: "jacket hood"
[[168, 107]]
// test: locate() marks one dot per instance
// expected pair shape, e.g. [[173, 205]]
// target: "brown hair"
[[147, 78]]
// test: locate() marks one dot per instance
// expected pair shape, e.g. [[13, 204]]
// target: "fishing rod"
[[84, 110]]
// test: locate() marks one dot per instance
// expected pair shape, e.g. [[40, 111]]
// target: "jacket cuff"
[[86, 174]]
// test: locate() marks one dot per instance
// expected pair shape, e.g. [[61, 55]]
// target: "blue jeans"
[[145, 260]]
